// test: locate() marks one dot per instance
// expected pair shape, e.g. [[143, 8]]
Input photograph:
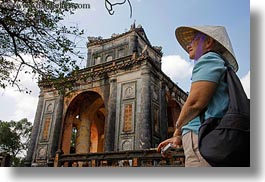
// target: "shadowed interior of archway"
[[84, 124], [173, 111]]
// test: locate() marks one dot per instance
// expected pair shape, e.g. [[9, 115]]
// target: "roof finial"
[[133, 25]]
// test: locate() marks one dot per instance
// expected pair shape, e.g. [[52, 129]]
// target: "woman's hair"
[[218, 48]]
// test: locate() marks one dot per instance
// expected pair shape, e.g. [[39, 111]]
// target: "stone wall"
[[118, 103]]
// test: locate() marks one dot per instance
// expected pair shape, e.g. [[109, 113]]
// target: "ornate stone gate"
[[121, 101]]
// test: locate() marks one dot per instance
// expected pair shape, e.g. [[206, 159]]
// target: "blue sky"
[[159, 19], [234, 14]]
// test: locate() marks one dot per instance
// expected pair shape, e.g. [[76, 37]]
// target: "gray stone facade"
[[121, 101]]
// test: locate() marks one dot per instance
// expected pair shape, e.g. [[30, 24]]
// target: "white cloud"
[[19, 105], [16, 105], [245, 80], [178, 70]]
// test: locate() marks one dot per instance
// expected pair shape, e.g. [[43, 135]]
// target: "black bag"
[[226, 141]]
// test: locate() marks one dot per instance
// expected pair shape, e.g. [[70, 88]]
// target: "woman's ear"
[[209, 43]]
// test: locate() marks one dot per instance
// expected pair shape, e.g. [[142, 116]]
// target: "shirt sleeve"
[[209, 67]]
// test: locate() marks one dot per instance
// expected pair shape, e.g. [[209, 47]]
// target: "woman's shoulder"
[[209, 67], [211, 55], [211, 59]]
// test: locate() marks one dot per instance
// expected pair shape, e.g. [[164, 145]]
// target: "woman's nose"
[[188, 46]]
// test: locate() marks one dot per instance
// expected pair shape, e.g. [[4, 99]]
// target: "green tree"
[[33, 29], [33, 40], [14, 139]]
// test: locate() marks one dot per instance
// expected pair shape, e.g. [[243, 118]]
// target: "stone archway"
[[173, 111], [84, 124]]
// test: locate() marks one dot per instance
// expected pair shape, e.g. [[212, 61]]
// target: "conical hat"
[[185, 35]]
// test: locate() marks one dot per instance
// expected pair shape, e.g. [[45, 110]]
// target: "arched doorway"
[[173, 111], [84, 125]]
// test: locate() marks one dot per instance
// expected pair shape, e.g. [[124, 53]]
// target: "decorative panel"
[[42, 152], [127, 117], [46, 128], [126, 143], [156, 118], [128, 91], [49, 106], [155, 92]]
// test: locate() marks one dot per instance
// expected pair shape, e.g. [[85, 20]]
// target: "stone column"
[[89, 58], [35, 129], [133, 46], [111, 119], [144, 125], [57, 125], [83, 136], [164, 119]]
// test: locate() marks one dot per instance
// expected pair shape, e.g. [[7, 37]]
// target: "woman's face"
[[195, 48]]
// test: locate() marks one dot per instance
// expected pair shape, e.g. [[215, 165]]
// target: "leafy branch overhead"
[[29, 27], [34, 41]]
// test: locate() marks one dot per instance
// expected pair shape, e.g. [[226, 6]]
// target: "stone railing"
[[132, 158]]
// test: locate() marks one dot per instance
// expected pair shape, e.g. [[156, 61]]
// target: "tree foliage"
[[33, 28], [34, 41], [14, 139]]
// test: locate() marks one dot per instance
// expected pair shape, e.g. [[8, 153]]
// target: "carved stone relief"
[[128, 91], [49, 106], [42, 152], [127, 144], [155, 91]]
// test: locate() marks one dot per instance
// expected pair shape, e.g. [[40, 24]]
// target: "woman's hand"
[[175, 140]]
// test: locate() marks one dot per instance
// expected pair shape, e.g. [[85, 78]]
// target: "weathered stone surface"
[[121, 101]]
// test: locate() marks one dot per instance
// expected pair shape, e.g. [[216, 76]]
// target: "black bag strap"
[[238, 100]]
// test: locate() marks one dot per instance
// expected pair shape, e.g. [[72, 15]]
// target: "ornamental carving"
[[127, 144], [128, 91], [42, 151]]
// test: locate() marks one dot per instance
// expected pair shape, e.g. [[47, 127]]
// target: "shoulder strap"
[[238, 101]]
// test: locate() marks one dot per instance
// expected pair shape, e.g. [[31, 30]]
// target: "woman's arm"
[[200, 94]]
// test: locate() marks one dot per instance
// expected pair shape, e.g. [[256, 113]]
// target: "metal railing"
[[131, 158]]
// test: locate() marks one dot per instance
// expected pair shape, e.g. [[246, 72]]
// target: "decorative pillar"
[[135, 47], [111, 119], [83, 135], [35, 129], [57, 125], [89, 58], [163, 124], [144, 125], [57, 159]]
